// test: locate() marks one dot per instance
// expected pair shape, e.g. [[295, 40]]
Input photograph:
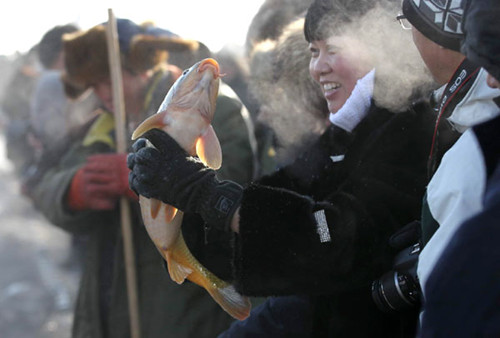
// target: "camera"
[[399, 289]]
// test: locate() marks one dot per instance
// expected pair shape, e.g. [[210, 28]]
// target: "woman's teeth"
[[330, 86]]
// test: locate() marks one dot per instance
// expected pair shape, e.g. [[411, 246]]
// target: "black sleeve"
[[313, 168], [376, 189], [280, 250], [212, 247]]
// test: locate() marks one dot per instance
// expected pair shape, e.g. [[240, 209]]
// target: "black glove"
[[406, 236], [168, 173]]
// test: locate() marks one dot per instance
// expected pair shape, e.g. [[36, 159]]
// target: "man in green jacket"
[[80, 191]]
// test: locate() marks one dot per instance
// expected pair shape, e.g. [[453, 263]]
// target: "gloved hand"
[[407, 235], [170, 174], [100, 183]]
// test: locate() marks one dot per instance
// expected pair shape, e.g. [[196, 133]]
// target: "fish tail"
[[231, 301], [182, 264]]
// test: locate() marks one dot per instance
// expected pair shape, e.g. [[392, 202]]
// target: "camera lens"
[[395, 291]]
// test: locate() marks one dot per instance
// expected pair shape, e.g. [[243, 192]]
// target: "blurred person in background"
[[287, 95], [80, 192], [319, 227], [52, 116], [266, 27], [52, 113], [235, 68], [271, 18], [16, 102]]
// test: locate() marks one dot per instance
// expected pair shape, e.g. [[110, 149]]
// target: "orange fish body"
[[186, 114]]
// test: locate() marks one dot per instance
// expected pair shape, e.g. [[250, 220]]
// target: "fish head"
[[196, 90]]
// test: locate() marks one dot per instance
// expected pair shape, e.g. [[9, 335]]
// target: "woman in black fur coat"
[[320, 226]]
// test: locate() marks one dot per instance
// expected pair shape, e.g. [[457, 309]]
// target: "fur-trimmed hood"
[[86, 53]]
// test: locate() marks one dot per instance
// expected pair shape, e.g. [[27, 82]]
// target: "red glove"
[[100, 183]]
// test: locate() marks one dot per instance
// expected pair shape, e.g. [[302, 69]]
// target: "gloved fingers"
[[103, 189], [145, 174], [111, 164], [406, 236], [98, 177], [139, 144], [111, 189], [131, 161], [142, 188], [99, 167], [132, 182], [106, 157], [103, 203], [103, 163], [108, 161], [148, 157], [165, 144]]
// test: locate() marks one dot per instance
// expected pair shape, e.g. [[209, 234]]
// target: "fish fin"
[[208, 149], [154, 121], [155, 207], [170, 213], [178, 272], [231, 301]]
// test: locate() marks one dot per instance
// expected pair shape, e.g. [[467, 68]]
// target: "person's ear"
[[492, 82]]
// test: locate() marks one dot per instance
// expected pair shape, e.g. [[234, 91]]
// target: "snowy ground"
[[38, 283]]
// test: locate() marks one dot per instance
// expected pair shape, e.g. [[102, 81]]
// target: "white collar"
[[477, 106], [356, 106]]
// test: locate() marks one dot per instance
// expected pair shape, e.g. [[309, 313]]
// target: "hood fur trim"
[[86, 56]]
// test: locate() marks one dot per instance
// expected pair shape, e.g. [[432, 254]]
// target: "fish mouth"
[[210, 63]]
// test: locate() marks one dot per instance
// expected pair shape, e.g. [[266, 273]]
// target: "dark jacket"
[[369, 183], [277, 317], [166, 309]]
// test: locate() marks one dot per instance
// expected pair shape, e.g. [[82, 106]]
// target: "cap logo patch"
[[445, 14]]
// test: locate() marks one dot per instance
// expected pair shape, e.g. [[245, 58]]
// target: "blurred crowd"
[[361, 152]]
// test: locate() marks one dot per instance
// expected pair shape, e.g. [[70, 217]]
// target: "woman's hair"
[[292, 103], [324, 16], [272, 17], [377, 38]]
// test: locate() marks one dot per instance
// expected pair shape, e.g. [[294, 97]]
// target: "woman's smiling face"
[[336, 66]]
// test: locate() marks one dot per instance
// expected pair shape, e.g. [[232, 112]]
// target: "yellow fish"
[[186, 114]]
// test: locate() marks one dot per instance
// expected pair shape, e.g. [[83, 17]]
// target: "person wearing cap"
[[318, 228], [81, 190], [52, 113], [463, 290], [455, 191]]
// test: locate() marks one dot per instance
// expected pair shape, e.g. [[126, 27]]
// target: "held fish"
[[186, 114]]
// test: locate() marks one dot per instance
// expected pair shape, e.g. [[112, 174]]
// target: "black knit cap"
[[482, 34], [438, 20]]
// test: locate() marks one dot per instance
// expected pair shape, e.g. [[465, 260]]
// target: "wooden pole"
[[121, 147]]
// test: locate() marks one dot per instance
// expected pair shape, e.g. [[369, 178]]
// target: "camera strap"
[[456, 89]]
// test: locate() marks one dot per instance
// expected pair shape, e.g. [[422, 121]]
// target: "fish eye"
[[185, 71]]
